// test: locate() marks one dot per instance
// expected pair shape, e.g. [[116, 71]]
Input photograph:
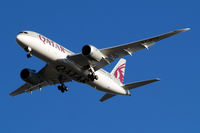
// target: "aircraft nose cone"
[[23, 39], [19, 38]]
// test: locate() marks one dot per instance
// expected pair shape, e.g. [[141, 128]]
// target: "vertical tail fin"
[[119, 70]]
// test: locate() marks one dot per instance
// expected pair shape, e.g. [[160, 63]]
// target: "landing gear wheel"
[[29, 55], [92, 77], [59, 87], [62, 88], [29, 50], [66, 89], [96, 77]]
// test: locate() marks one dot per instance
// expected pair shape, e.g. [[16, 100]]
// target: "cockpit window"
[[24, 32]]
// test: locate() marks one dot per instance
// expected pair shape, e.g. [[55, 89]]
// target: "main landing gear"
[[92, 76], [62, 88]]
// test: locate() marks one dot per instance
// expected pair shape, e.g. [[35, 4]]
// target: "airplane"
[[62, 65]]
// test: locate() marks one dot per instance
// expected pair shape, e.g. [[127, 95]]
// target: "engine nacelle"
[[30, 76], [92, 52]]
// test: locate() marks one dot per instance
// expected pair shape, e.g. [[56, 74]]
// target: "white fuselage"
[[56, 56]]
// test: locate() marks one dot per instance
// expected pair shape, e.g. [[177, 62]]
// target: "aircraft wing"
[[49, 77], [120, 51], [128, 49]]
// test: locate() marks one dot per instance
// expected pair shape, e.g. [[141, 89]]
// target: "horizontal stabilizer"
[[138, 84], [129, 87], [106, 96]]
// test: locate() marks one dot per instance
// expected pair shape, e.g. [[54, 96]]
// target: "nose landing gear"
[[29, 55], [28, 49]]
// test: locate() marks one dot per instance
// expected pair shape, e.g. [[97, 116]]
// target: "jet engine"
[[30, 76], [92, 52]]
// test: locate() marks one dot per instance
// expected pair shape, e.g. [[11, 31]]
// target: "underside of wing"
[[79, 59], [29, 88], [48, 76], [21, 89], [84, 62]]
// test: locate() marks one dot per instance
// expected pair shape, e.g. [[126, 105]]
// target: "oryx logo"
[[119, 72]]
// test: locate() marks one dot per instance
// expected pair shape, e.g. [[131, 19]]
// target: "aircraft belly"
[[69, 69]]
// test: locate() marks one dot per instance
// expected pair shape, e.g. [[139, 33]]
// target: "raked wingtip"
[[157, 79], [186, 29]]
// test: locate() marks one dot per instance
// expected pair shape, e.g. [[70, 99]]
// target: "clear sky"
[[171, 105]]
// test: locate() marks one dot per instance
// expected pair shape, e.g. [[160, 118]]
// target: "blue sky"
[[171, 105]]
